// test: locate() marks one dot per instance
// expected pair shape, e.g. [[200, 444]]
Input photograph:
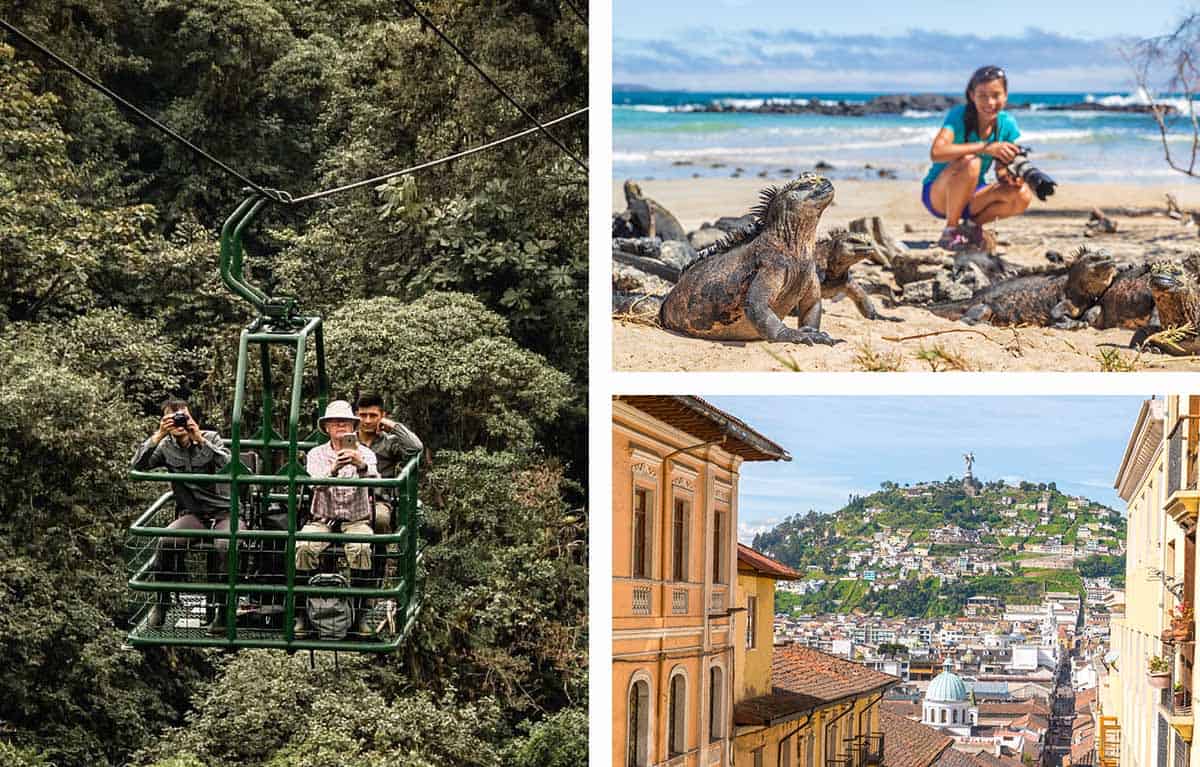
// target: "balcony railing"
[[873, 746], [679, 601], [1183, 470], [716, 602], [1108, 748], [641, 601], [1177, 704], [859, 751]]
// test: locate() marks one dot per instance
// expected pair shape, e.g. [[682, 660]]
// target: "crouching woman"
[[973, 137]]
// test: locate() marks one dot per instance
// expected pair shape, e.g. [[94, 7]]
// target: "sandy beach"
[[1057, 224]]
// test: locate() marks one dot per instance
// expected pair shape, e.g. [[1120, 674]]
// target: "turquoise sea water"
[[652, 138]]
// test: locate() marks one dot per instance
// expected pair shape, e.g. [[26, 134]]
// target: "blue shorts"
[[929, 204]]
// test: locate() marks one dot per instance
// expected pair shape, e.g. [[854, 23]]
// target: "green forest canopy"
[[458, 293]]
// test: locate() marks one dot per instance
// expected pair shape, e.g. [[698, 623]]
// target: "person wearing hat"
[[339, 509]]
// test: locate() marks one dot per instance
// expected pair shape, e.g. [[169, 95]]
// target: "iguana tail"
[[952, 310], [640, 305]]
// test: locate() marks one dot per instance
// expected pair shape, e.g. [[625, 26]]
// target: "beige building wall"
[[1158, 577], [665, 626]]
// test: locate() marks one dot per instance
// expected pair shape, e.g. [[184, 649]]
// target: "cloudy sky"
[[844, 445], [854, 45]]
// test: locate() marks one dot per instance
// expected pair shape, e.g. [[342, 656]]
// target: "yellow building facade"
[[794, 706], [1147, 721]]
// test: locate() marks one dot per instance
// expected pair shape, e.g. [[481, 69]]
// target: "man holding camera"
[[179, 446], [339, 509]]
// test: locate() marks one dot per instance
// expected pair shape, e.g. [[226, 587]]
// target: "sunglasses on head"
[[988, 73]]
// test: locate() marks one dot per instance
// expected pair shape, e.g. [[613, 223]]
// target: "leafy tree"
[[110, 299], [446, 363]]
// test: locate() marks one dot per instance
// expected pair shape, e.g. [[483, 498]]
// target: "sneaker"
[[953, 239], [975, 234]]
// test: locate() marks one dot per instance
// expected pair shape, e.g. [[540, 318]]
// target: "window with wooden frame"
[[681, 517], [751, 621], [716, 700], [677, 723], [643, 500], [720, 533], [638, 734]]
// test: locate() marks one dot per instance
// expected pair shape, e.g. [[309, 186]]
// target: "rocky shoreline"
[[899, 104]]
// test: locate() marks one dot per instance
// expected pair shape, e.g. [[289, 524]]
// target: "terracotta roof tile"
[[1081, 753], [804, 679], [1014, 709], [761, 563], [802, 669], [910, 744], [779, 706], [908, 708], [953, 758]]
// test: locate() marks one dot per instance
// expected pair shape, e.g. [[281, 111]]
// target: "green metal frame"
[[278, 324]]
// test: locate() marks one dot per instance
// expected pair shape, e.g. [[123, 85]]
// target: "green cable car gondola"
[[271, 493]]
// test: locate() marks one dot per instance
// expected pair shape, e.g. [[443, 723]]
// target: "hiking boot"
[[953, 239], [157, 615], [217, 626], [362, 626], [300, 628]]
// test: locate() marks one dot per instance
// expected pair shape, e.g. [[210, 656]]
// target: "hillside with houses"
[[925, 550]]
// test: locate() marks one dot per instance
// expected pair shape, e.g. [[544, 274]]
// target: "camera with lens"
[[1038, 181], [179, 419]]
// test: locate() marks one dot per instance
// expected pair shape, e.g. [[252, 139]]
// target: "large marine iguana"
[[742, 295], [834, 254], [1054, 299], [1177, 299]]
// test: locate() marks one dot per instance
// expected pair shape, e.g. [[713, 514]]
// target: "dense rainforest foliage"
[[458, 293]]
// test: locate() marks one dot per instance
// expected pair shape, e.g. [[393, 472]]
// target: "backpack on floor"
[[330, 615]]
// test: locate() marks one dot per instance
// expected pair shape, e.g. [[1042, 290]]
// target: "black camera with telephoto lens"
[[179, 419], [1038, 181]]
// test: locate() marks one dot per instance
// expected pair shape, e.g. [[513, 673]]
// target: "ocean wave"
[[1050, 135], [658, 108], [1163, 172], [1139, 98], [631, 156], [863, 131], [919, 113]]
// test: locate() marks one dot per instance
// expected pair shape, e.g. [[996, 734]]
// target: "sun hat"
[[338, 410]]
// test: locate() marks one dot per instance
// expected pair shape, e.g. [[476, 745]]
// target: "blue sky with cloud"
[[844, 445], [767, 45]]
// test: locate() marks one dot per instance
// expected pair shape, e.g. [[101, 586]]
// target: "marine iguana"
[[651, 219], [1177, 299], [1054, 299], [742, 295], [1128, 303], [835, 254]]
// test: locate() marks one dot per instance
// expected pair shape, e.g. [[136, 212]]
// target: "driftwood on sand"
[[887, 246]]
